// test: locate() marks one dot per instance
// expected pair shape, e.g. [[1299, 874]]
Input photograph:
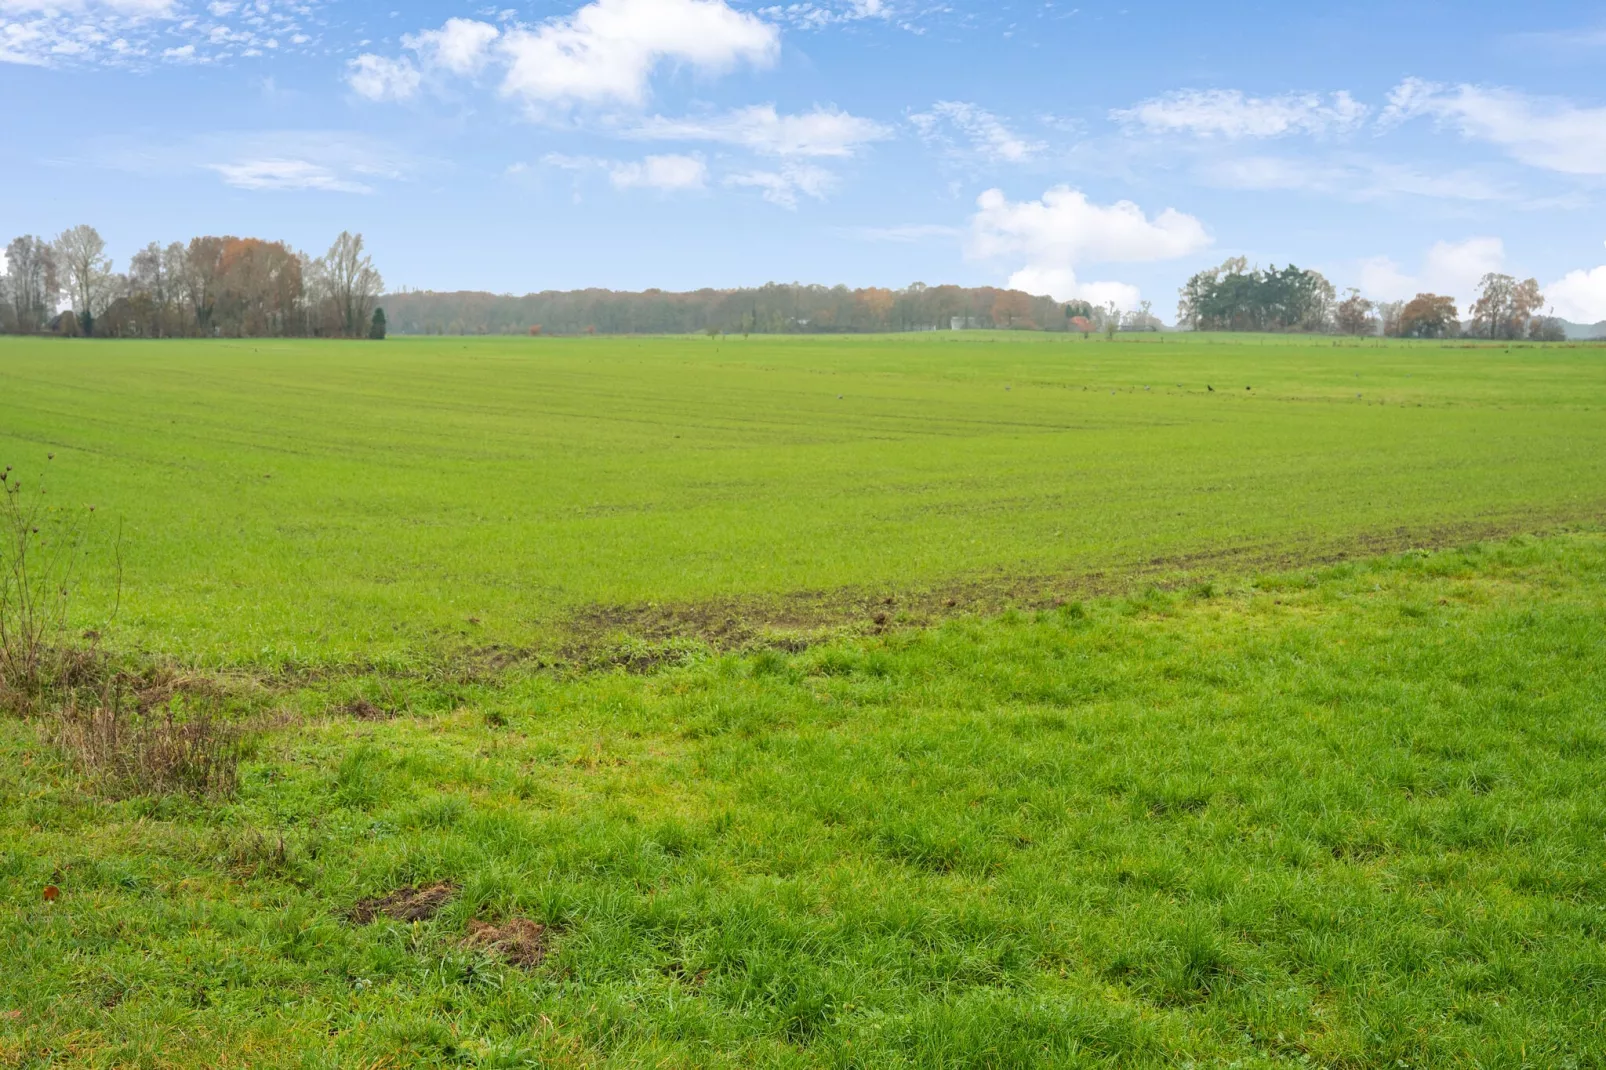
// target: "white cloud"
[[606, 51], [1062, 284], [461, 46], [986, 134], [783, 187], [1541, 132], [1228, 113], [286, 174], [21, 44], [603, 53], [1579, 296], [381, 78], [821, 132], [1451, 269], [1064, 229], [669, 173]]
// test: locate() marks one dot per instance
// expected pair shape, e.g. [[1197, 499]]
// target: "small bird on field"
[[1210, 388]]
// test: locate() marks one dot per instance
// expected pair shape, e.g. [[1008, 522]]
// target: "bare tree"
[[351, 283], [152, 286], [1390, 312], [86, 270], [32, 283], [203, 274]]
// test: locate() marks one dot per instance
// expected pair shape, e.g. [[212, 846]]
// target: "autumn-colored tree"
[[1547, 329], [1083, 324], [1012, 310], [1428, 316], [260, 287], [1504, 306], [874, 308], [1354, 315]]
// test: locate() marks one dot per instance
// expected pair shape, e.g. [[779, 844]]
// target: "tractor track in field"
[[643, 637], [640, 636]]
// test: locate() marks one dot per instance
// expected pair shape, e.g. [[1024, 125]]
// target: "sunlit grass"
[[311, 502], [1349, 817]]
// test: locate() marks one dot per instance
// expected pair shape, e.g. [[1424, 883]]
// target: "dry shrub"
[[185, 751]]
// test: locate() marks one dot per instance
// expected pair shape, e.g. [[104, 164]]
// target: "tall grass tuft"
[[175, 750]]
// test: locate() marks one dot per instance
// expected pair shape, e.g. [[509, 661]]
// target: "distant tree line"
[[776, 308], [1232, 297], [208, 287]]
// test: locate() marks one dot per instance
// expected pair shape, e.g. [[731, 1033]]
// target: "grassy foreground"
[[313, 503], [1350, 817]]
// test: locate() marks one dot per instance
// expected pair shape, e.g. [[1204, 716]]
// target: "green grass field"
[[308, 502], [1209, 727]]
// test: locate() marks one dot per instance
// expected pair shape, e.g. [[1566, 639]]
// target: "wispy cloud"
[[670, 173], [785, 185], [968, 129], [906, 233], [1231, 114], [817, 16], [820, 132], [277, 174], [1543, 132], [142, 33], [1351, 178]]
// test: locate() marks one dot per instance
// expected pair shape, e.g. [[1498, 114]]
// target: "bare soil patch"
[[363, 710], [410, 903], [518, 941]]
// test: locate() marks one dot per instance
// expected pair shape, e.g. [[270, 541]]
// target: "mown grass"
[[305, 504], [1348, 817]]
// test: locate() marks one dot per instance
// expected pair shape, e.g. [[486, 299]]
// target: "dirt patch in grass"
[[641, 637], [362, 710], [518, 941], [410, 903]]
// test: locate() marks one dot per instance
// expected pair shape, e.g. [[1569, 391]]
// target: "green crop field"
[[288, 502], [962, 700]]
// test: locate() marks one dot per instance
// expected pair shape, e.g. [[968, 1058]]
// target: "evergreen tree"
[[376, 329]]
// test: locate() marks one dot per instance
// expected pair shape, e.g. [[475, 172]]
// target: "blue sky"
[[1083, 150]]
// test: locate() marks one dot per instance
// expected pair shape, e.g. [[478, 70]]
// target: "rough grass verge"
[[176, 749]]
